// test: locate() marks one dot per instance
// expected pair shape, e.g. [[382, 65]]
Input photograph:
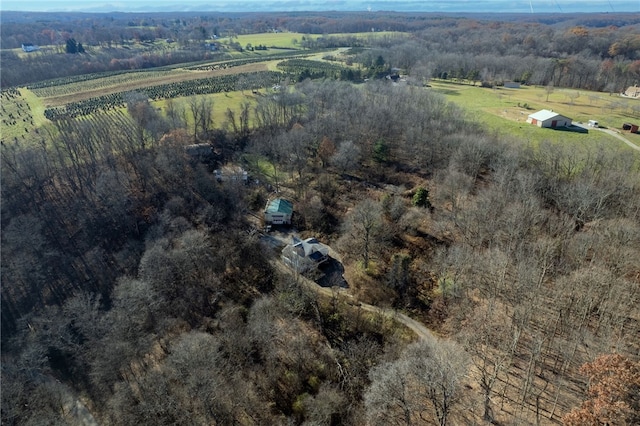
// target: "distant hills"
[[449, 6]]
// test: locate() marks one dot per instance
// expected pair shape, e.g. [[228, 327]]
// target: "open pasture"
[[294, 40], [505, 111], [281, 39]]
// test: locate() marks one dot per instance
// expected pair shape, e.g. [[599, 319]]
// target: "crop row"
[[201, 65], [85, 77], [225, 83], [10, 93], [303, 68], [245, 61], [97, 83]]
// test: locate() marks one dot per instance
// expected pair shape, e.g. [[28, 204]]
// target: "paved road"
[[612, 133], [421, 331]]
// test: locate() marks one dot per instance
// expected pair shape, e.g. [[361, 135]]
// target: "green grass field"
[[221, 102], [26, 119], [285, 40], [293, 40], [503, 111]]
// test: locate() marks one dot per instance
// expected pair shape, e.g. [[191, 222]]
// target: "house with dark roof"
[[305, 255], [278, 212]]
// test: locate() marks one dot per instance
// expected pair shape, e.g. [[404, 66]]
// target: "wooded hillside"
[[136, 288]]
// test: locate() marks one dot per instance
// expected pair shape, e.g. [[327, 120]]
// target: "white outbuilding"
[[278, 212], [548, 118]]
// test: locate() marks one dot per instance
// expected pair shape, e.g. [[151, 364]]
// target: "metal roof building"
[[278, 212], [548, 118]]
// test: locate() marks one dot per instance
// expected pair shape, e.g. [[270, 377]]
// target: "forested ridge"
[[591, 51], [136, 290]]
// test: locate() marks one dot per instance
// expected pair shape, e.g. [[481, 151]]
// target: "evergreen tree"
[[72, 47], [421, 198]]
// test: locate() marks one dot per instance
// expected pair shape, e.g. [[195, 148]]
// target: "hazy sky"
[[521, 6]]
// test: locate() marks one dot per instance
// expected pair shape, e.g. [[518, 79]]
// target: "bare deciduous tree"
[[364, 230], [428, 374], [347, 157]]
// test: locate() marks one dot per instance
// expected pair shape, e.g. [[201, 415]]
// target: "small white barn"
[[29, 47], [305, 255], [278, 212], [548, 118]]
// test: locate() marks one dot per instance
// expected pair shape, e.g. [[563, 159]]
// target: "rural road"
[[419, 329], [612, 133], [622, 138], [277, 240]]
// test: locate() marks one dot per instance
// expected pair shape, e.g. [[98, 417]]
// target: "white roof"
[[310, 246], [545, 114]]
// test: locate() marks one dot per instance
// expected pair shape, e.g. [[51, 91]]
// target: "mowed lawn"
[[503, 111]]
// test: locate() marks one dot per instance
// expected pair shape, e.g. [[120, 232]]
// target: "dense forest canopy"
[[138, 288]]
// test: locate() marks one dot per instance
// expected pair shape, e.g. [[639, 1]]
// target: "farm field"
[[281, 39], [504, 111], [77, 91], [293, 40], [85, 93], [152, 79], [22, 113]]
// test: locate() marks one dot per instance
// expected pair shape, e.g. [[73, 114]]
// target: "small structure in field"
[[29, 47], [630, 127], [549, 119], [632, 91], [278, 212], [511, 85], [305, 255]]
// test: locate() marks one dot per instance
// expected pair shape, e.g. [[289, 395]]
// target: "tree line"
[[594, 52]]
